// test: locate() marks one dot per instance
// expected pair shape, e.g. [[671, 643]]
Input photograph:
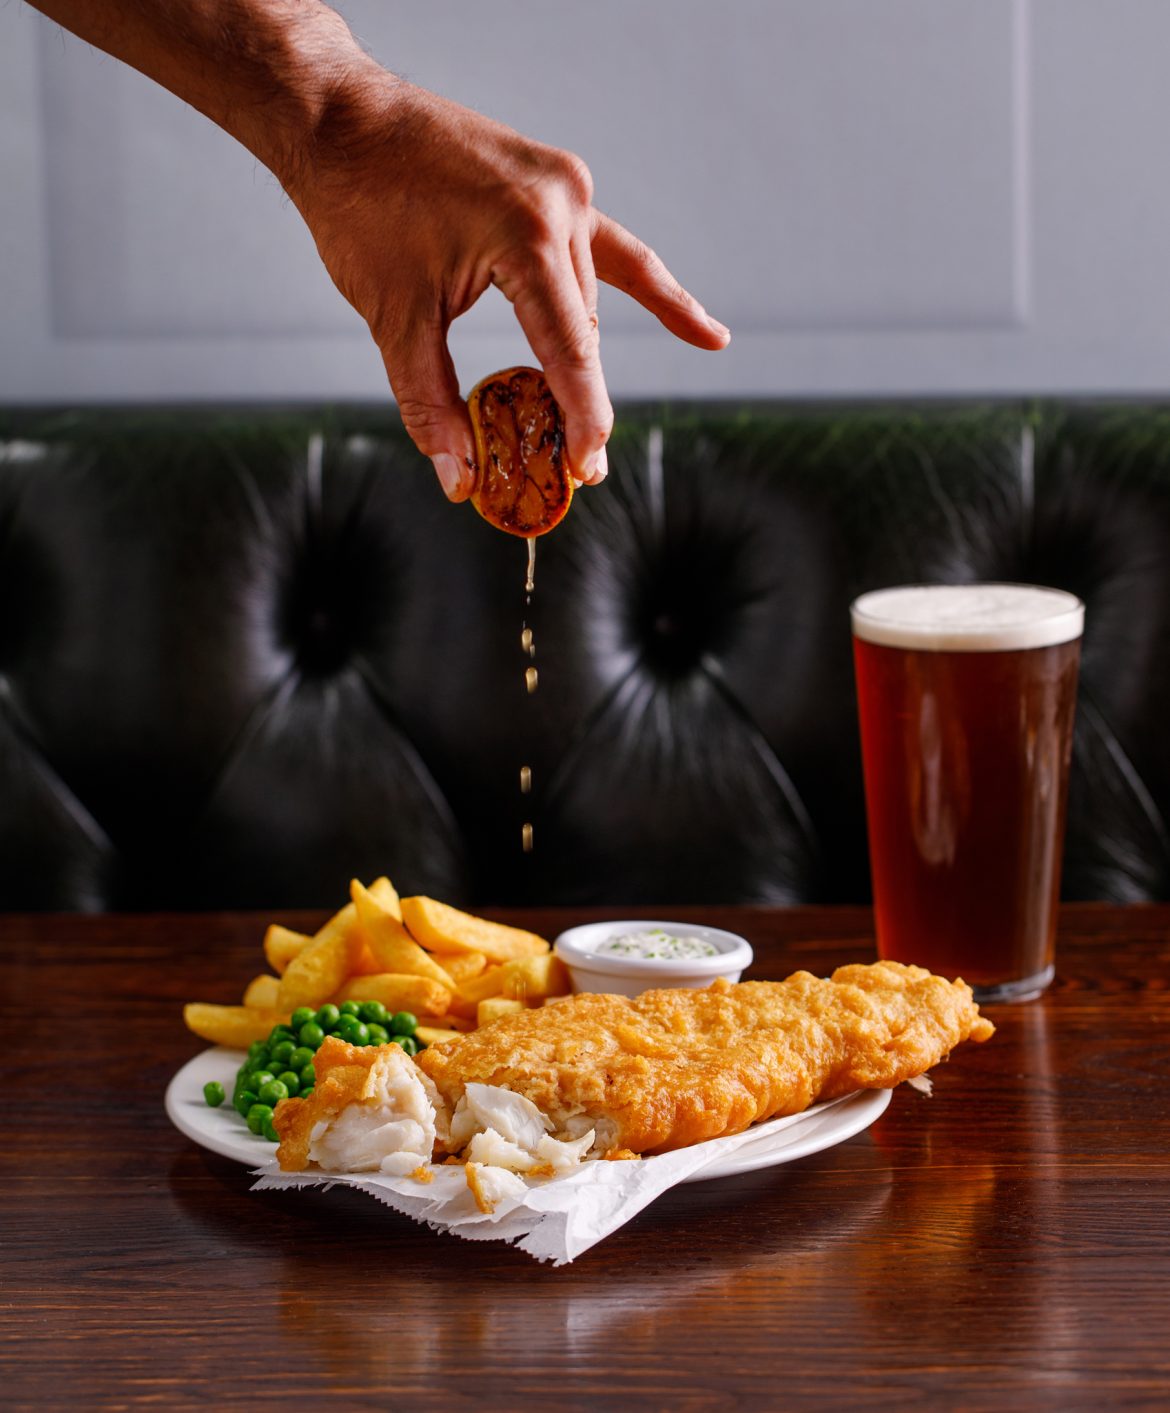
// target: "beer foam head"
[[968, 617]]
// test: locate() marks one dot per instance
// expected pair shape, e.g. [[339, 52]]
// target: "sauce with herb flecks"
[[656, 945]]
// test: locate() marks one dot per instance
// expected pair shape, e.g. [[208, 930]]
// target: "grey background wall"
[[879, 196]]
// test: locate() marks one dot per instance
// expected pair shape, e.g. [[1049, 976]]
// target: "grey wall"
[[879, 196]]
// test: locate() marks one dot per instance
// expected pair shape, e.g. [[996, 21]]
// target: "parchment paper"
[[557, 1218]]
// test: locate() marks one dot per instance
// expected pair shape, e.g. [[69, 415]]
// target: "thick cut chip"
[[237, 1026], [263, 993], [281, 945], [398, 992], [479, 988], [447, 1021], [495, 1007], [435, 1034], [445, 929], [527, 980], [315, 974], [534, 978], [337, 951], [525, 483], [461, 966], [392, 948], [385, 895]]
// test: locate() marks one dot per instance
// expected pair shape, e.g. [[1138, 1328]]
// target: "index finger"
[[625, 262], [552, 313]]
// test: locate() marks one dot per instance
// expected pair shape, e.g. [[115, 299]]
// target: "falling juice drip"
[[528, 645]]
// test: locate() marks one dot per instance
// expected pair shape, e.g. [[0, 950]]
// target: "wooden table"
[[1004, 1244]]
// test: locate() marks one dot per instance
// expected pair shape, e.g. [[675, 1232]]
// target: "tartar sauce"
[[656, 946]]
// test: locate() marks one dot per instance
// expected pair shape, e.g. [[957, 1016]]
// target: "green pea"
[[259, 1060], [244, 1100], [279, 1033], [327, 1016], [306, 1092], [307, 1078], [258, 1080], [403, 1023], [282, 1054], [270, 1132], [408, 1043], [349, 1008], [379, 1035], [372, 1012], [272, 1092], [352, 1031], [256, 1047], [290, 1081], [213, 1093], [257, 1115], [311, 1035], [301, 1016], [300, 1057]]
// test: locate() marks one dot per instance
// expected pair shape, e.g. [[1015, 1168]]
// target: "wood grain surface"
[[1003, 1244]]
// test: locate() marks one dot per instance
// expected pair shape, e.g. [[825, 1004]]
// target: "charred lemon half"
[[525, 483]]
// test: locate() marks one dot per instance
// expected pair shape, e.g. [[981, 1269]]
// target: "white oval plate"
[[783, 1140]]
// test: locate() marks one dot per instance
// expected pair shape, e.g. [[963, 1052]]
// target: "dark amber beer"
[[966, 697]]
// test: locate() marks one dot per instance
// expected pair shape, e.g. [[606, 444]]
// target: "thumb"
[[422, 378]]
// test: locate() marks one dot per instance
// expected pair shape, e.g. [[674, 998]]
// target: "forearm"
[[417, 205], [278, 75]]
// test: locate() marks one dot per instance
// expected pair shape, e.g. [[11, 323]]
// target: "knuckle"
[[534, 222], [576, 351], [648, 258], [576, 178], [425, 422]]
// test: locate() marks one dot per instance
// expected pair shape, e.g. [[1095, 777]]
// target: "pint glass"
[[966, 697]]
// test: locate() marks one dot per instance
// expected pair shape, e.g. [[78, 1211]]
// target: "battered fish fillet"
[[672, 1067]]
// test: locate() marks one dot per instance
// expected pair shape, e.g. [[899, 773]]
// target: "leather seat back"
[[248, 654]]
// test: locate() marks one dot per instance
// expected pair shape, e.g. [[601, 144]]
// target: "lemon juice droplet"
[[528, 645]]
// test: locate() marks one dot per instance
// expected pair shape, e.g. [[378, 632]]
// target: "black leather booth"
[[247, 654]]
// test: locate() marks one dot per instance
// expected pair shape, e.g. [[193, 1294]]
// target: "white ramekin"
[[629, 976]]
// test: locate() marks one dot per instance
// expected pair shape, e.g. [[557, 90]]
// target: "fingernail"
[[721, 329], [600, 467], [450, 474]]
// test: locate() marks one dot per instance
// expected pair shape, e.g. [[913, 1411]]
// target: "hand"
[[417, 205]]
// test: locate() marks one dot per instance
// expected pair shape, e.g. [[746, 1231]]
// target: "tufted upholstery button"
[[321, 644], [675, 638], [246, 655]]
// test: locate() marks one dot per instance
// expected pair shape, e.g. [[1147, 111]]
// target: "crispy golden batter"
[[343, 1078], [372, 1110], [671, 1068]]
